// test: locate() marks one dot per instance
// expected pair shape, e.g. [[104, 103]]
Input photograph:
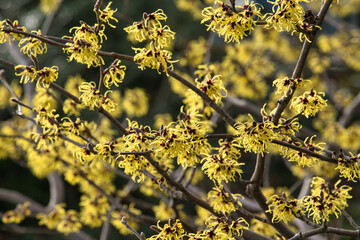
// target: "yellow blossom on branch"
[[159, 60], [221, 201], [302, 159], [286, 83], [286, 15], [84, 46], [7, 24], [325, 200], [349, 167], [255, 137], [229, 22], [28, 73], [106, 14], [114, 74], [309, 103], [283, 209], [213, 87], [173, 230], [18, 214], [46, 76], [32, 46]]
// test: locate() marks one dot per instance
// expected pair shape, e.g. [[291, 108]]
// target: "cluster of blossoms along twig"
[[151, 28], [303, 159], [290, 16], [18, 214], [44, 76], [309, 103], [92, 98], [6, 37], [86, 41], [231, 23], [323, 201]]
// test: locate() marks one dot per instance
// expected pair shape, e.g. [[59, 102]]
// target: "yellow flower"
[[138, 30], [230, 24], [213, 87], [18, 214], [114, 74], [84, 46], [286, 83], [173, 230], [286, 15], [159, 60], [255, 137], [221, 167], [152, 20], [349, 167], [161, 37], [283, 209], [309, 103], [51, 219], [93, 209], [4, 37], [107, 14], [221, 201], [325, 200], [46, 76], [90, 95], [303, 159], [69, 223], [33, 46], [28, 73], [70, 126]]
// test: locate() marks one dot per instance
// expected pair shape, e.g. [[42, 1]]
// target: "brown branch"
[[325, 229]]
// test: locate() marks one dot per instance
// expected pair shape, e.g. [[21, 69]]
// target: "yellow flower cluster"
[[155, 59], [223, 166], [114, 74], [349, 167], [286, 16], [183, 140], [220, 228], [33, 46], [284, 210], [93, 209], [212, 86], [231, 23], [106, 14], [221, 202], [325, 200], [171, 230], [92, 98], [255, 137], [309, 103], [303, 159], [61, 220], [84, 46], [150, 28], [6, 37], [18, 214], [45, 76], [285, 84]]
